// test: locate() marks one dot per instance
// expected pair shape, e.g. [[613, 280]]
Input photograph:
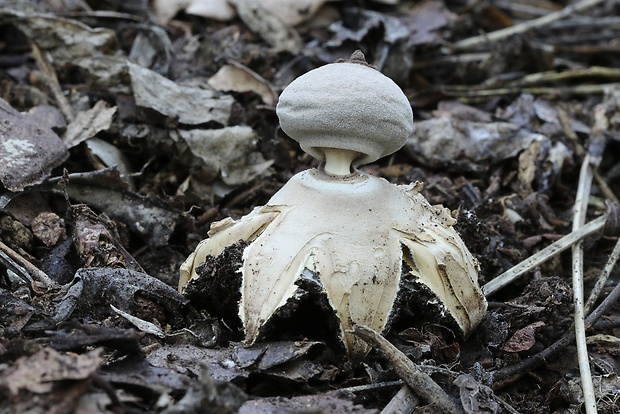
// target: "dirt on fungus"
[[128, 128]]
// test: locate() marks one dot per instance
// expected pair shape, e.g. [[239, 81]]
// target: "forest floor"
[[129, 127]]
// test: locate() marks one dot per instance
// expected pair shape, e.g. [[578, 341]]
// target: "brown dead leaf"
[[426, 19], [523, 339], [475, 397], [38, 372], [49, 228], [28, 150], [65, 39], [528, 167]]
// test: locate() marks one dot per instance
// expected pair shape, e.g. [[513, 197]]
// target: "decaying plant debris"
[[127, 128]]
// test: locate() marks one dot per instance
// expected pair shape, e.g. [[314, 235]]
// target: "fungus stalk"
[[338, 162]]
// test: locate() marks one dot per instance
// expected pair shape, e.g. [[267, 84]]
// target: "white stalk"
[[338, 161]]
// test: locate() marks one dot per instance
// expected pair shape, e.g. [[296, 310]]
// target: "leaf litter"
[[127, 130]]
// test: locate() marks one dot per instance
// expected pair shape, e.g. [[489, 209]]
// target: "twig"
[[373, 386], [408, 371], [456, 59], [604, 188], [506, 406], [524, 27], [32, 270], [404, 402], [545, 254], [464, 91], [602, 279], [51, 80], [586, 176], [551, 76], [581, 204]]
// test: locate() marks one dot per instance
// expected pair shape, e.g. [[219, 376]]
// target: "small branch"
[[421, 383], [571, 74], [604, 188], [464, 91], [404, 402], [542, 256], [51, 80], [373, 387], [476, 41], [602, 279], [19, 265]]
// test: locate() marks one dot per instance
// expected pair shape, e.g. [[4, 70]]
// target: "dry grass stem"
[[604, 188], [542, 256], [586, 176], [477, 94], [482, 39], [51, 80], [600, 283], [404, 402]]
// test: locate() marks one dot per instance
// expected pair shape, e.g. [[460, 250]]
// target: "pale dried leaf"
[[226, 151], [111, 156], [238, 78], [427, 19], [475, 397], [88, 123], [165, 10], [268, 26], [38, 372], [65, 39], [467, 145], [141, 324], [191, 105], [28, 150], [292, 12], [211, 9]]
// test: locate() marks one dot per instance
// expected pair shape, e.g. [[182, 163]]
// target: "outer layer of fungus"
[[352, 230]]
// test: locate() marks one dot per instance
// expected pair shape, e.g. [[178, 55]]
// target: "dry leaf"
[[88, 123], [38, 372], [226, 151], [467, 145], [274, 31], [238, 78], [191, 105], [28, 150], [523, 339]]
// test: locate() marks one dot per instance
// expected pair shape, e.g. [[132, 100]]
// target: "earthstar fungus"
[[351, 233]]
